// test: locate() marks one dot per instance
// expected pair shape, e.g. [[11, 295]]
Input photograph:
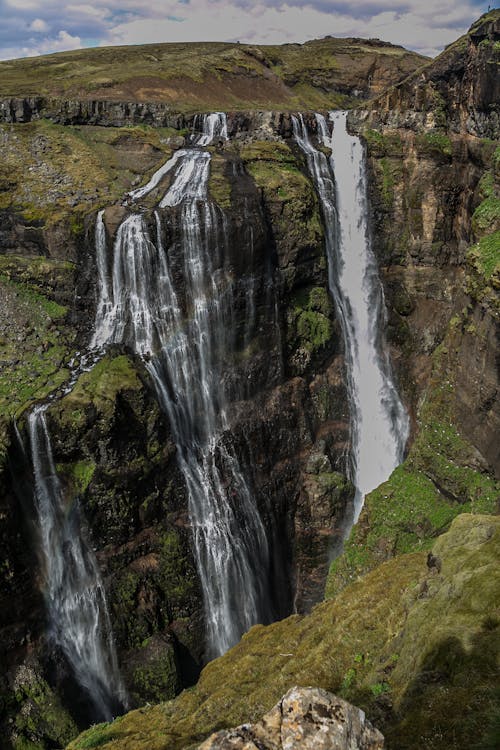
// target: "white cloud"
[[418, 24], [38, 25], [414, 25], [63, 41]]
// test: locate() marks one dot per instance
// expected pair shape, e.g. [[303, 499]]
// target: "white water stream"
[[74, 593], [186, 354], [379, 422]]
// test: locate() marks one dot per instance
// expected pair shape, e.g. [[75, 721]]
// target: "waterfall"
[[379, 423], [74, 593], [186, 345]]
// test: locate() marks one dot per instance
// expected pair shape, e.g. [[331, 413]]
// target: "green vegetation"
[[379, 144], [219, 186], [56, 175], [487, 215], [34, 347], [434, 143], [96, 390], [79, 474], [288, 194], [406, 643], [309, 319], [207, 76], [156, 680], [37, 713], [486, 255]]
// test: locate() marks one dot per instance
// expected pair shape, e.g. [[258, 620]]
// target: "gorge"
[[225, 331]]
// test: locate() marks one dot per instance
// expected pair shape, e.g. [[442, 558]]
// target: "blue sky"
[[34, 27]]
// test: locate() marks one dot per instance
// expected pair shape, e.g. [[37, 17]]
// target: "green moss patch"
[[97, 389], [434, 143], [34, 347], [309, 319], [486, 255]]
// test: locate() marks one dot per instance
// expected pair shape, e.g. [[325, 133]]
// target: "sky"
[[37, 27]]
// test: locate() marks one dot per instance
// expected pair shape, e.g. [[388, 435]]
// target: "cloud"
[[419, 24], [38, 25]]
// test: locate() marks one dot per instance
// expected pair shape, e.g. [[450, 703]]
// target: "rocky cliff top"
[[459, 90]]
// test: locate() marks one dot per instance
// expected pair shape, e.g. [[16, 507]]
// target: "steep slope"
[[414, 644]]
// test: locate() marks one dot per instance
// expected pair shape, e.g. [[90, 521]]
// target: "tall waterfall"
[[186, 342], [379, 423], [74, 593]]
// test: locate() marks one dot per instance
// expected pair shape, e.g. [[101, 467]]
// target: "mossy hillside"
[[35, 345], [400, 626], [52, 174], [207, 76]]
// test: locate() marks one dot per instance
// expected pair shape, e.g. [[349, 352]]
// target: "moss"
[[175, 577], [486, 217], [485, 255], [98, 388], [157, 679], [218, 185], [96, 736], [38, 718], [288, 194], [380, 642], [380, 144], [34, 345], [310, 319], [434, 143], [79, 474]]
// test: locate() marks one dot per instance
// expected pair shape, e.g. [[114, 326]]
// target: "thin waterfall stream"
[[185, 348], [379, 422], [79, 622]]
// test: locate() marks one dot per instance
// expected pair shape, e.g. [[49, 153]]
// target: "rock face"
[[304, 719]]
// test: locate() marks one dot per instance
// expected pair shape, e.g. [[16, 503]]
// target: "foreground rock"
[[305, 718]]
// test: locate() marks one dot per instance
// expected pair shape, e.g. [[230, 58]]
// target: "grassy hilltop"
[[198, 76]]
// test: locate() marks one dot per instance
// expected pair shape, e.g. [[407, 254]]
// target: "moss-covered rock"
[[38, 719], [310, 327]]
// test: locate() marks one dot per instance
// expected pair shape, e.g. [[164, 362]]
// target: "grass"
[[58, 174], [400, 633], [34, 341], [203, 76]]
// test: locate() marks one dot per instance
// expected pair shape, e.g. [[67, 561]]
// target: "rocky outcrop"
[[459, 90], [304, 719]]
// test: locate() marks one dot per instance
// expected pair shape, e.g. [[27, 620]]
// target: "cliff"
[[434, 193]]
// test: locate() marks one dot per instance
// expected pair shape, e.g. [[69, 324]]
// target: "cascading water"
[[186, 346], [379, 423], [74, 593]]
